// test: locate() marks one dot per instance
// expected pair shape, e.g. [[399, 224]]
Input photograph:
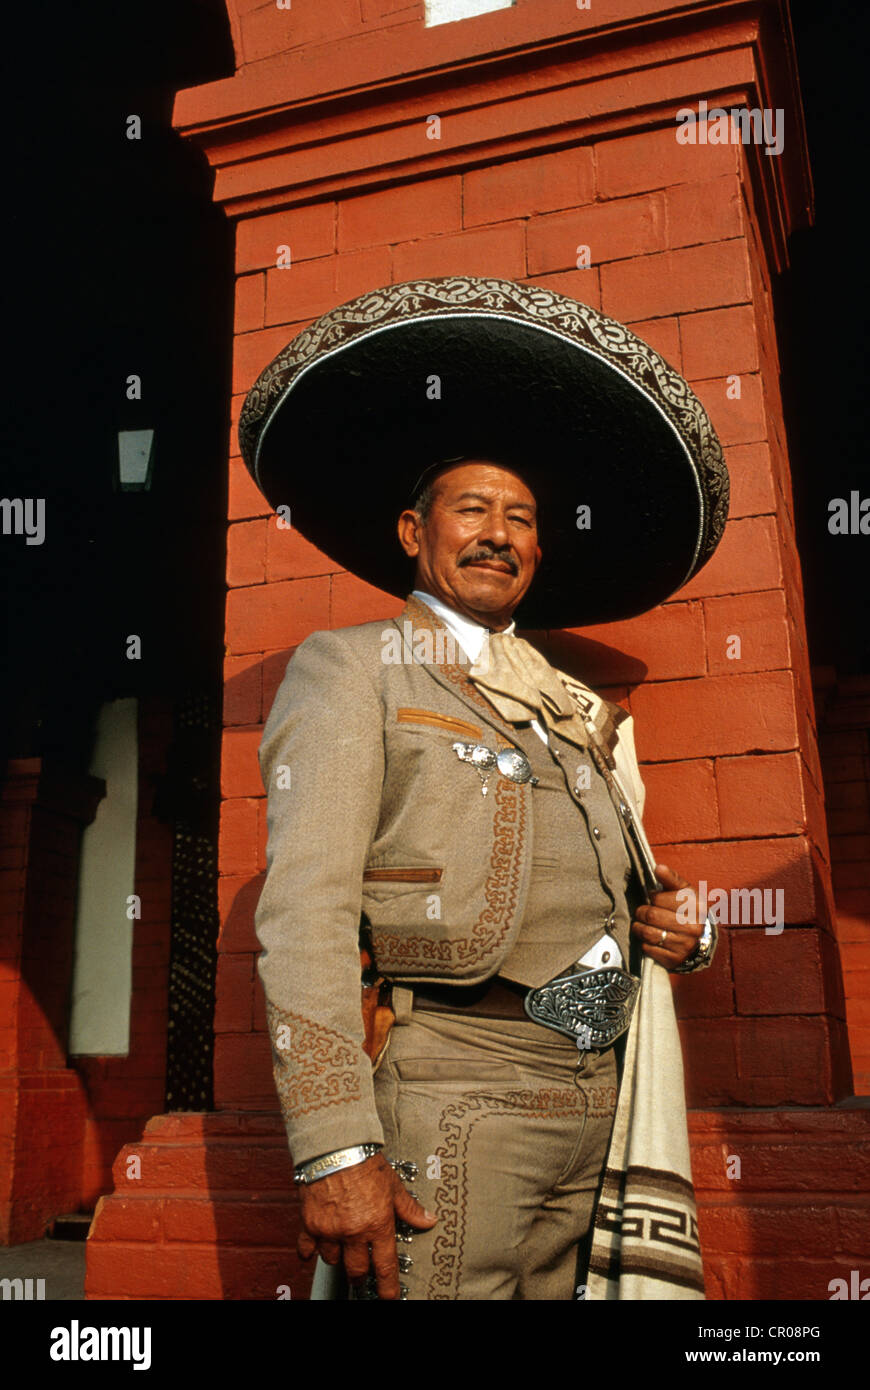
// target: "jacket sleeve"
[[322, 763]]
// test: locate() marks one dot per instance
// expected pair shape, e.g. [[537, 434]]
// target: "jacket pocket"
[[437, 1071], [433, 719], [410, 875], [401, 894]]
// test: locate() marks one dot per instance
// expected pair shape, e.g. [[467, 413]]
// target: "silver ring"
[[664, 938]]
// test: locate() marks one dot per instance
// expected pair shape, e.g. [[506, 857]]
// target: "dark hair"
[[427, 493], [422, 503]]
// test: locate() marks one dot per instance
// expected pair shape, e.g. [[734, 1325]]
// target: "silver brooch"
[[511, 763]]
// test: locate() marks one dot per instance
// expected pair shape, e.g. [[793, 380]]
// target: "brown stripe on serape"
[[617, 1177], [685, 1273], [646, 1265], [651, 1182], [660, 1180], [608, 1269], [613, 1183]]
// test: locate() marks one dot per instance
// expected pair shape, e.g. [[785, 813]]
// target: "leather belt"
[[593, 1007], [494, 998]]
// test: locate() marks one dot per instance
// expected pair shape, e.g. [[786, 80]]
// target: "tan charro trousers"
[[509, 1137]]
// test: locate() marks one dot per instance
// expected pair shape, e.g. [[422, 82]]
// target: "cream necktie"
[[522, 685]]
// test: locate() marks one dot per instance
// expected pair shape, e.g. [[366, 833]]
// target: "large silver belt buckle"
[[593, 1007]]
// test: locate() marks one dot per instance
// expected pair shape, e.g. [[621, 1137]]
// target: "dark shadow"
[[594, 663], [135, 280]]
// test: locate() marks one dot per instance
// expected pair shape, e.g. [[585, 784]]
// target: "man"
[[479, 814], [476, 550]]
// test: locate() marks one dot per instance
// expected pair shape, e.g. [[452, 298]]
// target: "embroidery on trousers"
[[451, 1197]]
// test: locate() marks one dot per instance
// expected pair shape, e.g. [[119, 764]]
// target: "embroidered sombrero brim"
[[346, 418]]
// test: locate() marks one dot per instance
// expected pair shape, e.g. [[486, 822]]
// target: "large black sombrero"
[[344, 421]]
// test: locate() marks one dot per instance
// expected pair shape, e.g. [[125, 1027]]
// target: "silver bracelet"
[[703, 952], [327, 1164]]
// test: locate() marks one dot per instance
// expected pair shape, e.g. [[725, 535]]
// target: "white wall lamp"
[[135, 459], [446, 11]]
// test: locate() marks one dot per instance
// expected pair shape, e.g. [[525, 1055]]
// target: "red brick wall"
[[63, 1119], [728, 747], [42, 1105]]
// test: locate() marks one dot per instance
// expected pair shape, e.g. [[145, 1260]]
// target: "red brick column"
[[42, 1101], [326, 141], [63, 1118]]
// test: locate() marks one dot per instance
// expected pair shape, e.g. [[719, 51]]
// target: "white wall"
[[103, 959], [444, 11]]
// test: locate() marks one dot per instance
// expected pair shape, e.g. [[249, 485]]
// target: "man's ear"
[[408, 528]]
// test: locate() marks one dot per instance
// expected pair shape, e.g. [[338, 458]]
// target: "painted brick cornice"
[[348, 113]]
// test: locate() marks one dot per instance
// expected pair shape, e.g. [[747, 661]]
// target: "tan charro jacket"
[[371, 813]]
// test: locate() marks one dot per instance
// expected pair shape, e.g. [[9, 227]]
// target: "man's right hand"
[[354, 1209]]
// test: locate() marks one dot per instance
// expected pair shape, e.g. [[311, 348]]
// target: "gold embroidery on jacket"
[[314, 1066], [501, 890]]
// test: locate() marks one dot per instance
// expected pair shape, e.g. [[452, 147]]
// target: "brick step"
[[213, 1213]]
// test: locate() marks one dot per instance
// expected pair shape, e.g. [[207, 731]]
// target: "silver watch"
[[327, 1164], [704, 951]]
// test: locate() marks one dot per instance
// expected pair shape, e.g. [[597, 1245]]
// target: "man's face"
[[478, 548]]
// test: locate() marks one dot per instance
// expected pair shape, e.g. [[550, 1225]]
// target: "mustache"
[[502, 557]]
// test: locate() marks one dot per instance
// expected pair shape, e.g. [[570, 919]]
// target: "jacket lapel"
[[418, 618], [418, 622]]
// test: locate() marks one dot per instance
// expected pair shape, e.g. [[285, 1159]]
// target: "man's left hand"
[[660, 915]]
